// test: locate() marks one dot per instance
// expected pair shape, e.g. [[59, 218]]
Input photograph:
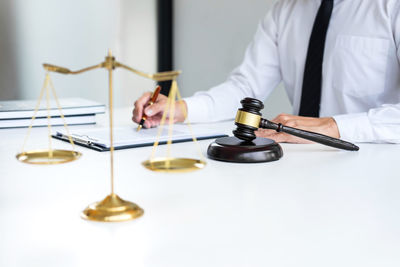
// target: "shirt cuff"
[[355, 127], [197, 109]]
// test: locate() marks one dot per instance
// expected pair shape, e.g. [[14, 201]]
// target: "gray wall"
[[210, 40], [76, 34], [8, 66]]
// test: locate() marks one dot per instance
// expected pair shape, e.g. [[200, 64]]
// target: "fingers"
[[280, 137], [147, 124], [271, 134], [156, 108], [139, 105], [285, 119], [155, 111], [296, 121], [326, 125]]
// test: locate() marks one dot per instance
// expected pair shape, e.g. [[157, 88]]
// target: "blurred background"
[[209, 40]]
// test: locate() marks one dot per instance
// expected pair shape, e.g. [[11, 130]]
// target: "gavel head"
[[248, 119]]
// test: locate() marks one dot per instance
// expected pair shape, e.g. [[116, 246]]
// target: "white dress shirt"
[[361, 70]]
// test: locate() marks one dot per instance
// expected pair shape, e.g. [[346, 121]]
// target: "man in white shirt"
[[359, 76]]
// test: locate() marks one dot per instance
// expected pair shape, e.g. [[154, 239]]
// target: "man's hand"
[[326, 126], [154, 112]]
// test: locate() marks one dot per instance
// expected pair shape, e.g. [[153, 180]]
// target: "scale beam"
[[110, 64], [113, 208]]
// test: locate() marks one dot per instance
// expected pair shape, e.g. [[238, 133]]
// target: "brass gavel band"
[[247, 118]]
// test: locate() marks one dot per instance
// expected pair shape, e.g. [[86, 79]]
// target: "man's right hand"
[[154, 112]]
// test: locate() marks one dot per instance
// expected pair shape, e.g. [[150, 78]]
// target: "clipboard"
[[127, 137]]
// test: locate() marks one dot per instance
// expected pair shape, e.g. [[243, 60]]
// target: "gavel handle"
[[316, 137]]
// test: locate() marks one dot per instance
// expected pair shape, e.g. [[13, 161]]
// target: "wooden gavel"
[[248, 120]]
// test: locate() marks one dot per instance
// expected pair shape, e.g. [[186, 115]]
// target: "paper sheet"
[[126, 136]]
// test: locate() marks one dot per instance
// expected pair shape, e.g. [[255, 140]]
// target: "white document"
[[126, 137]]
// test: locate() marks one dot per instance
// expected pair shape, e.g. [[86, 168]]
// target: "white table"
[[317, 206]]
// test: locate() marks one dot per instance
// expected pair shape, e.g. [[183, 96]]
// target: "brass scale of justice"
[[243, 147], [112, 208]]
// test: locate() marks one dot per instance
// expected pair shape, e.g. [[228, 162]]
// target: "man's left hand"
[[326, 126]]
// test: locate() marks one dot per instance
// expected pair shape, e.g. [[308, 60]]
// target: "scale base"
[[174, 164], [47, 157], [112, 209], [232, 149]]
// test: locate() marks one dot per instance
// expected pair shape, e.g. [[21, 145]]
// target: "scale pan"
[[174, 165], [47, 157]]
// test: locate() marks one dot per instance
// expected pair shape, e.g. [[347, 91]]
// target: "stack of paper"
[[19, 113]]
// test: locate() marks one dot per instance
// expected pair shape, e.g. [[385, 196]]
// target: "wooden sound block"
[[232, 149]]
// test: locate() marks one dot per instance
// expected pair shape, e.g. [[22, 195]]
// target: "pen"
[[151, 102]]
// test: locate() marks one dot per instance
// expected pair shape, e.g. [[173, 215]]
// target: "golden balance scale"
[[113, 208]]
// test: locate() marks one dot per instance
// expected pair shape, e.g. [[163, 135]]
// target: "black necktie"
[[312, 82]]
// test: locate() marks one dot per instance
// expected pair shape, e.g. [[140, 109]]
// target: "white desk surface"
[[317, 206]]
